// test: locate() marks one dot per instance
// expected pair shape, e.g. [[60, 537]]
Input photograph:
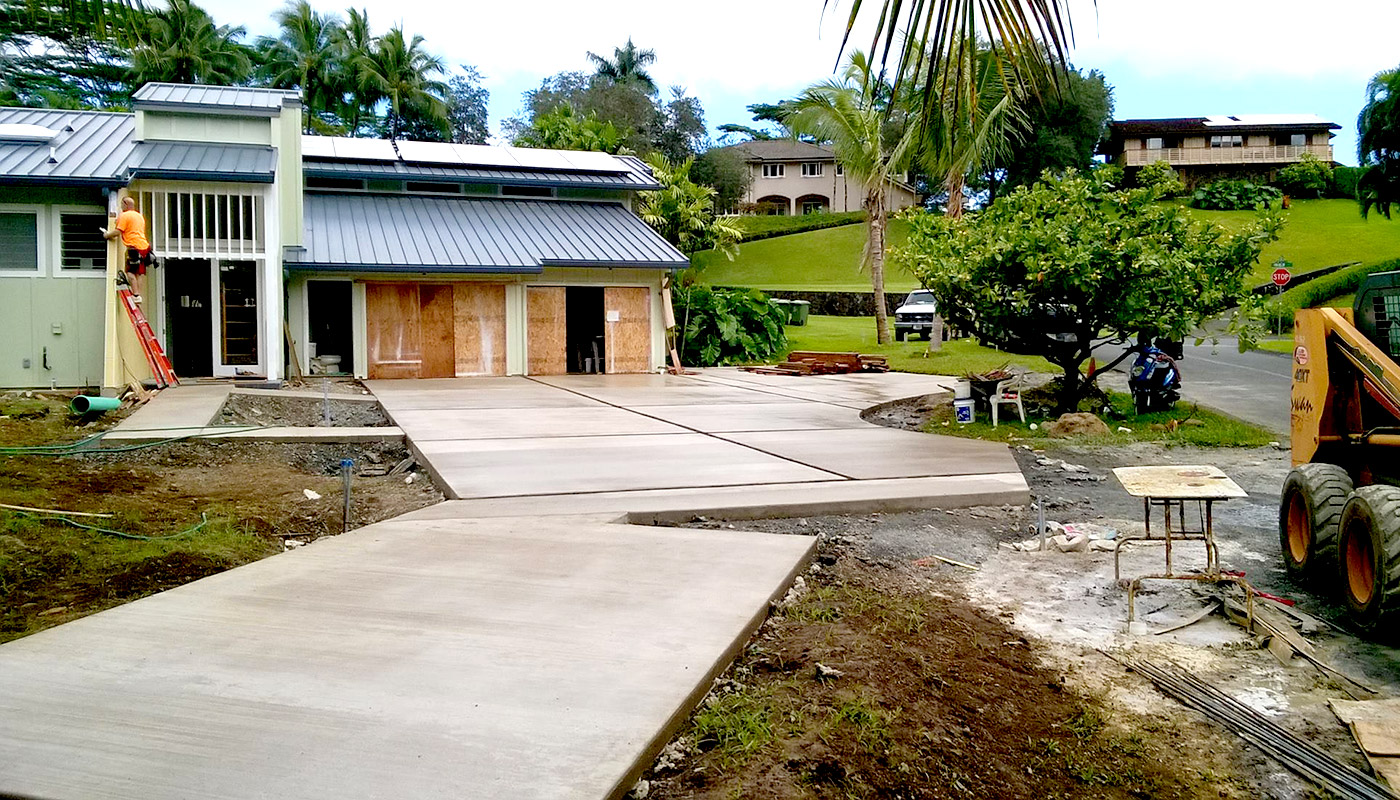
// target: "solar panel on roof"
[[317, 147], [366, 149], [481, 155], [429, 152], [22, 132], [540, 159], [594, 162]]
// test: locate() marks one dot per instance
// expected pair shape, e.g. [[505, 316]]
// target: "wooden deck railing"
[[1273, 154]]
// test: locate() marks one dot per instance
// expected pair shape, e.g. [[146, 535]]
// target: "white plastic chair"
[[1008, 392]]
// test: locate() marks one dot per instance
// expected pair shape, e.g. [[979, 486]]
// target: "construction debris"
[[809, 362], [1375, 724], [1292, 752]]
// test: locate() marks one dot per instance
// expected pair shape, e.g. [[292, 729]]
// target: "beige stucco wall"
[[842, 193]]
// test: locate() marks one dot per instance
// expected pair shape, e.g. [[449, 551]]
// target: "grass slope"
[[857, 334], [1320, 233], [824, 260]]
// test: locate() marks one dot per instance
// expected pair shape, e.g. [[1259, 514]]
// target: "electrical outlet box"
[[28, 363], [56, 329]]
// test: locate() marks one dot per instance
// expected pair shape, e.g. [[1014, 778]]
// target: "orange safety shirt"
[[133, 230]]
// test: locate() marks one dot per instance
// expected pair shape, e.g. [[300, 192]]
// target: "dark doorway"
[[583, 314], [328, 314], [190, 324]]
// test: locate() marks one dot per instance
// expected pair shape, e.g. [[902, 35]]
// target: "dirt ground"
[[255, 499], [267, 410], [979, 683]]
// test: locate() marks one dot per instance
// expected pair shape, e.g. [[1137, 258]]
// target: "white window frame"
[[159, 229], [41, 243], [773, 170], [811, 169], [1155, 143], [56, 232]]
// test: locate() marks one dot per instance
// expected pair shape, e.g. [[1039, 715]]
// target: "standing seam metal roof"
[[229, 98], [201, 160], [411, 233], [96, 150]]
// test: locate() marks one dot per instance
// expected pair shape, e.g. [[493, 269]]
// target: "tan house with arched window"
[[792, 177]]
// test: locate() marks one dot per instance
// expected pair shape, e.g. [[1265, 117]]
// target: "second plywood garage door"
[[628, 312], [434, 330], [547, 330]]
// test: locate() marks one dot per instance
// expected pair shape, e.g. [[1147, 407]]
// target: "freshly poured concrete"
[[504, 658], [576, 435]]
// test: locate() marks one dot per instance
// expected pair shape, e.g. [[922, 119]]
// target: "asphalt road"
[[1254, 386]]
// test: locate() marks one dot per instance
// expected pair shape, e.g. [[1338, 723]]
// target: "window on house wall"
[[840, 170], [322, 182], [772, 170], [194, 223], [433, 187], [1154, 143], [1227, 141], [811, 169], [527, 191], [19, 241], [80, 243], [1298, 139]]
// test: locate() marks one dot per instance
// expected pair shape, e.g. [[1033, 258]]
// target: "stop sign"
[[1282, 277]]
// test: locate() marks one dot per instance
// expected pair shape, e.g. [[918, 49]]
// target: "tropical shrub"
[[727, 326], [1344, 182], [1234, 195], [1160, 176], [1308, 177]]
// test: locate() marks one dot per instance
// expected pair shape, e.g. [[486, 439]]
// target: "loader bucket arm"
[[1335, 366]]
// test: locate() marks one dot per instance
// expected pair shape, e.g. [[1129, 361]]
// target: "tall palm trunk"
[[875, 257], [955, 183]]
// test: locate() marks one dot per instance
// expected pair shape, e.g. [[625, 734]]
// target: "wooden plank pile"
[[808, 362]]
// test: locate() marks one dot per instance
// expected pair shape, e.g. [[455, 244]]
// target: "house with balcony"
[[792, 177], [1205, 149], [280, 252]]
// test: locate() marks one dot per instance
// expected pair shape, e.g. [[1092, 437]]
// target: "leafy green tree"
[[854, 114], [1160, 177], [183, 45], [679, 131], [627, 67], [466, 107], [406, 75], [1378, 148], [683, 211], [1307, 177], [1061, 129], [630, 110], [724, 170], [303, 56], [353, 51], [52, 61], [565, 129], [770, 115], [1056, 268]]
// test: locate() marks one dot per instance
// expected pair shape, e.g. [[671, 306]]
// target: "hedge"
[[1344, 281], [767, 226]]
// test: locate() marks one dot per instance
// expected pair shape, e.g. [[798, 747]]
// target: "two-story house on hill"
[[791, 177], [1204, 149]]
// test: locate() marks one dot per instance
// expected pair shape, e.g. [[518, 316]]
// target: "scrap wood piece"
[[929, 561], [1209, 609], [1375, 725], [1268, 621], [55, 511]]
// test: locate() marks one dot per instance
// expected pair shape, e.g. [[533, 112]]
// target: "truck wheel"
[[1368, 548], [1313, 498], [899, 335]]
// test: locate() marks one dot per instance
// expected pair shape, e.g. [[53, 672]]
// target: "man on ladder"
[[131, 227]]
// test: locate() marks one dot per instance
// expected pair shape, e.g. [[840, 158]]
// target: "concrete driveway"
[[600, 439]]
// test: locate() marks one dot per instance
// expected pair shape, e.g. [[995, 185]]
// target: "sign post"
[[1281, 278]]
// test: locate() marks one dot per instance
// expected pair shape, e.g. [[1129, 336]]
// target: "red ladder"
[[155, 356]]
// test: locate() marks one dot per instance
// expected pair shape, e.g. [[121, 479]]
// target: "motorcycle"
[[1155, 380]]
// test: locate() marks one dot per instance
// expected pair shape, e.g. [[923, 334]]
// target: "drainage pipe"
[[82, 404]]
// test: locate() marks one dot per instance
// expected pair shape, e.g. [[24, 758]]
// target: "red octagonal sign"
[[1282, 277]]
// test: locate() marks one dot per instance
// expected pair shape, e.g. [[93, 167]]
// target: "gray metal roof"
[[443, 234], [204, 161], [241, 100], [91, 147], [632, 180]]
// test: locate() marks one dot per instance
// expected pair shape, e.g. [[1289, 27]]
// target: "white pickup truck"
[[916, 315]]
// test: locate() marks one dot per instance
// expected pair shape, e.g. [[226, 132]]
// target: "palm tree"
[[302, 57], [872, 142], [910, 35], [974, 121], [183, 45], [401, 72], [627, 66], [354, 54], [1378, 144]]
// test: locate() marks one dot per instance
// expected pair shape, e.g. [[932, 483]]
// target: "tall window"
[[1154, 143], [1227, 141], [811, 169], [19, 241], [81, 246], [772, 170]]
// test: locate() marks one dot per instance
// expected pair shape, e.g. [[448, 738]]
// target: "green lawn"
[[766, 225], [1320, 233], [824, 260], [857, 335]]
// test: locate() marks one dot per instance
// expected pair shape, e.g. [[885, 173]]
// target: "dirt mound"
[[1078, 424]]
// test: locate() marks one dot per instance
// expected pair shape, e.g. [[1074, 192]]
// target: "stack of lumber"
[[808, 362]]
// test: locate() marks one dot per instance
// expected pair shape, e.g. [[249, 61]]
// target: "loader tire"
[[1368, 548], [1309, 513]]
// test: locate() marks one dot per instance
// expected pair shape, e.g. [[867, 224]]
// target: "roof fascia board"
[[205, 108]]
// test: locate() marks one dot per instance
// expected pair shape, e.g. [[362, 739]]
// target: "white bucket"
[[962, 410], [962, 390]]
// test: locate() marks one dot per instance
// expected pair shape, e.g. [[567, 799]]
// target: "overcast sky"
[[1180, 58]]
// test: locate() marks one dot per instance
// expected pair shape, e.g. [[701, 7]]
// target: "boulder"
[[1077, 424]]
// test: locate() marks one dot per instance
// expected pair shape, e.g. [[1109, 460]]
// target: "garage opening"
[[331, 349], [586, 339]]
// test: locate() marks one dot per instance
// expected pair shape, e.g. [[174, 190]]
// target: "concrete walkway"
[[723, 440]]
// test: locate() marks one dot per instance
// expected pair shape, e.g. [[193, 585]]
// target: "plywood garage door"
[[479, 311], [410, 330], [546, 330], [393, 330], [628, 311]]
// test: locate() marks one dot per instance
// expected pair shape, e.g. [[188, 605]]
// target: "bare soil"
[[253, 496], [268, 410]]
